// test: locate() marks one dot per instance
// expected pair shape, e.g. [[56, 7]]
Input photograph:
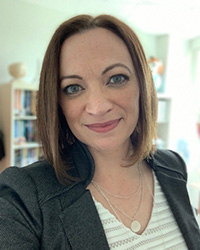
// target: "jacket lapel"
[[177, 197], [82, 225]]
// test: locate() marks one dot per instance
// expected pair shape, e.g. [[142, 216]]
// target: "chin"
[[108, 145]]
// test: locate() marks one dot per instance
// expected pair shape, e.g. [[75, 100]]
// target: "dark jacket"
[[37, 212]]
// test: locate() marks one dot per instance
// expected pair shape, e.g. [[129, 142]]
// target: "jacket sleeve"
[[20, 215]]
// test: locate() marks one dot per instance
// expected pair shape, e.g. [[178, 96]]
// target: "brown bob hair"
[[54, 132]]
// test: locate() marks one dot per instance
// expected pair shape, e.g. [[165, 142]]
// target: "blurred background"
[[170, 34]]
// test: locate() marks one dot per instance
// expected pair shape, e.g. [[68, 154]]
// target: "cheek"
[[130, 101]]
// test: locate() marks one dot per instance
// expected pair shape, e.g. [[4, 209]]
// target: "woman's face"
[[99, 93]]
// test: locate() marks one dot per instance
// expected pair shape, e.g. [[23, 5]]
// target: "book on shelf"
[[25, 102], [24, 131], [33, 102], [17, 102], [27, 156]]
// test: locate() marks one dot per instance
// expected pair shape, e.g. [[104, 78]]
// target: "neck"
[[112, 165]]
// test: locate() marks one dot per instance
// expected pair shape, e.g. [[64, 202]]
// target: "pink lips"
[[104, 127]]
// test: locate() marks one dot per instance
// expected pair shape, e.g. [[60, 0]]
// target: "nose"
[[98, 103]]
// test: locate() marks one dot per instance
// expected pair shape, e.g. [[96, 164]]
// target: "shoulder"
[[169, 162], [35, 171], [38, 178], [24, 203]]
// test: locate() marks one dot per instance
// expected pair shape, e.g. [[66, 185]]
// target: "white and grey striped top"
[[161, 233]]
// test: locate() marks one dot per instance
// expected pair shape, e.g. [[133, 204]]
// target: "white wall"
[[26, 29]]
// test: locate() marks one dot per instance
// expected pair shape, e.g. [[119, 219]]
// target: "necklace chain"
[[121, 196], [129, 217], [135, 225]]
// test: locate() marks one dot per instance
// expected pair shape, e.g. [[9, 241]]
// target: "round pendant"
[[135, 226]]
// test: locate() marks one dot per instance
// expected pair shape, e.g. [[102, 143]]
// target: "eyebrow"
[[115, 65], [103, 72], [70, 76]]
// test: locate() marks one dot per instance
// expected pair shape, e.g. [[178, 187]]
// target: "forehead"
[[97, 44]]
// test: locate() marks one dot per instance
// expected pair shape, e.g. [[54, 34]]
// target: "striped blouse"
[[162, 231]]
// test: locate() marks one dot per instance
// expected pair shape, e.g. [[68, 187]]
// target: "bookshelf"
[[18, 123], [163, 121]]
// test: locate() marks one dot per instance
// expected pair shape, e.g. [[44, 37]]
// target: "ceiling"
[[150, 16]]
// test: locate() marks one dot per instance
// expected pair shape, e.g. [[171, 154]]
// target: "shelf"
[[164, 122], [21, 85], [25, 117], [163, 96], [26, 145]]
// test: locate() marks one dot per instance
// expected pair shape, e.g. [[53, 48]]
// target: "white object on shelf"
[[18, 70]]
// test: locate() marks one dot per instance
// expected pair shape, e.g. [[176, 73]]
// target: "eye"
[[118, 79], [73, 89]]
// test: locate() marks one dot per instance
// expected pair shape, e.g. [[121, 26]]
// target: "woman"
[[102, 185]]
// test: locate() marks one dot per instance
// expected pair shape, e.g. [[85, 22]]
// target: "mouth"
[[104, 127]]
